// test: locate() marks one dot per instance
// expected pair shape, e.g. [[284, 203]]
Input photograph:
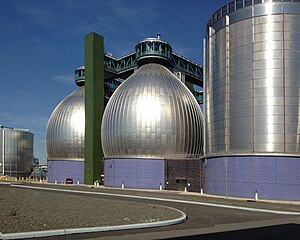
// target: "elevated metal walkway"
[[148, 50]]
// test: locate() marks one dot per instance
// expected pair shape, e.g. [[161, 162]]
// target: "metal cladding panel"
[[60, 170], [252, 80], [214, 176], [134, 173], [271, 177], [65, 129], [16, 149], [152, 115], [188, 170]]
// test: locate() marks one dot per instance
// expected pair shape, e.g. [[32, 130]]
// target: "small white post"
[[160, 187], [55, 182], [41, 180], [185, 190], [97, 183], [78, 181], [256, 196], [123, 185], [201, 192]]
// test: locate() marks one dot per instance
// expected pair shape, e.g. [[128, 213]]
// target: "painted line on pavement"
[[167, 200]]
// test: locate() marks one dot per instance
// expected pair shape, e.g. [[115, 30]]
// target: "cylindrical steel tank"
[[252, 100], [16, 152], [65, 139], [152, 116]]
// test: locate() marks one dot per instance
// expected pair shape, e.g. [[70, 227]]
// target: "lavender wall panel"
[[215, 176], [244, 177], [267, 190], [271, 177], [134, 173], [61, 170]]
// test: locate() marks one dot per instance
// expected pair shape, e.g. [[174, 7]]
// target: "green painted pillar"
[[94, 106], [190, 86]]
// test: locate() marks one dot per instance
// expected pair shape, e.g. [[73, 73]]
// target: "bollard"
[[160, 187], [55, 182], [123, 185], [185, 189], [201, 191], [78, 181], [41, 180], [256, 196], [97, 183]]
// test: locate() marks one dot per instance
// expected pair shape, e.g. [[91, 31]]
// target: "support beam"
[[94, 106]]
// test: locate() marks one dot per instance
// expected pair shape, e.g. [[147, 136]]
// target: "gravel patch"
[[23, 210]]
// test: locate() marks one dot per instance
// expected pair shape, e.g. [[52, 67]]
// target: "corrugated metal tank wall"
[[252, 84], [252, 100], [16, 152], [65, 129], [153, 115]]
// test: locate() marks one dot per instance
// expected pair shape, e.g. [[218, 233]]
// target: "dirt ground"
[[23, 210]]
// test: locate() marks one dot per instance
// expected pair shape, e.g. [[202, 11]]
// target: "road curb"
[[60, 232], [249, 209]]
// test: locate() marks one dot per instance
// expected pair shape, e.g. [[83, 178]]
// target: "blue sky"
[[41, 44]]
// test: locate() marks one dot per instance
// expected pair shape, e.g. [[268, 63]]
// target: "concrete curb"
[[69, 231], [5, 183], [249, 209]]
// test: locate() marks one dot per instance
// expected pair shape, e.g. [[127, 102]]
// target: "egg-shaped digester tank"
[[152, 116], [65, 139]]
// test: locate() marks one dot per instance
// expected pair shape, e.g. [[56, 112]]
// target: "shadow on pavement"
[[284, 232]]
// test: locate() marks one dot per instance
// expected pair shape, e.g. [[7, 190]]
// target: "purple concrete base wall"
[[271, 177], [134, 173], [60, 170]]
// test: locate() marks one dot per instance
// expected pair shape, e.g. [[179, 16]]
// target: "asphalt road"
[[204, 222]]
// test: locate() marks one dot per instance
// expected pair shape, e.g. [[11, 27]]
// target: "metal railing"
[[236, 5], [129, 62]]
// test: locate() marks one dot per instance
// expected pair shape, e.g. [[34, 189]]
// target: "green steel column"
[[190, 86], [94, 106]]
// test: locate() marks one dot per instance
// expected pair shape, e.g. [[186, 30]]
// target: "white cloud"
[[64, 78], [15, 120]]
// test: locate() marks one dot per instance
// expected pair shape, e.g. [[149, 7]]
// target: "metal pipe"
[[3, 152], [204, 97]]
